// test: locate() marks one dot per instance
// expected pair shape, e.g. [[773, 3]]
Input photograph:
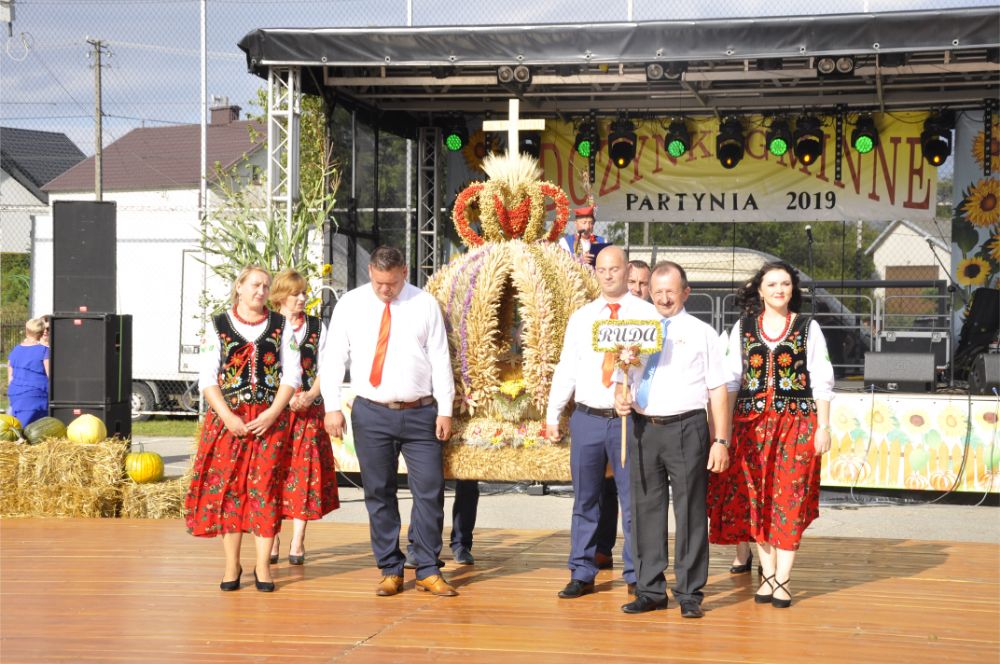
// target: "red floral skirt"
[[728, 501], [236, 480], [781, 472], [309, 485]]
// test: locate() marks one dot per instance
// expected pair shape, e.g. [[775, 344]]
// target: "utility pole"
[[99, 47]]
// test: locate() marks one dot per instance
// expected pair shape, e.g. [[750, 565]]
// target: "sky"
[[151, 72]]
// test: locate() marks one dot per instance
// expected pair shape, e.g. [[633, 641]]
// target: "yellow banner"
[[891, 182]]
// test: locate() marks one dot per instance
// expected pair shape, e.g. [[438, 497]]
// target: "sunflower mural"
[[506, 302], [975, 227]]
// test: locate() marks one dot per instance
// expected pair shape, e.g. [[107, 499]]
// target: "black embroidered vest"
[[309, 351], [782, 370], [250, 370]]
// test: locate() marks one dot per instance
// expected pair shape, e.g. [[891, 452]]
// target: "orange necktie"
[[383, 344], [608, 368]]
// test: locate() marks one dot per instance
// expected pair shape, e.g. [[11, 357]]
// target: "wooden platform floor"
[[145, 591]]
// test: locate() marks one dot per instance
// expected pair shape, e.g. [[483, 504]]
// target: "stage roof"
[[909, 59]]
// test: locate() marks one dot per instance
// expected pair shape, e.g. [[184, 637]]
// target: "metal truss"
[[428, 202], [284, 106]]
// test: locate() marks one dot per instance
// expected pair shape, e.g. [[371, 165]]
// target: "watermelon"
[[47, 427]]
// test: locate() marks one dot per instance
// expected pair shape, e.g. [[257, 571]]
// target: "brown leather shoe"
[[389, 585], [436, 585], [603, 561]]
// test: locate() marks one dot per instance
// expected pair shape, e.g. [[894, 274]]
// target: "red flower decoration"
[[784, 359], [306, 362], [269, 358], [470, 237], [756, 361], [562, 210]]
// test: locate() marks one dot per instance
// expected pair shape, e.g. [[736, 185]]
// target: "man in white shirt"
[[671, 448], [595, 428], [404, 393]]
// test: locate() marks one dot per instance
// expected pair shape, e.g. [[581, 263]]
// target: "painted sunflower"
[[982, 206], [973, 271], [993, 246], [477, 148], [952, 422], [879, 418], [916, 423], [979, 148]]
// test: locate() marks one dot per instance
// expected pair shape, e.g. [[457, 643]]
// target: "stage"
[[112, 590]]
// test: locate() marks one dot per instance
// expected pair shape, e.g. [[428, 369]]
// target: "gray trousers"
[[662, 457]]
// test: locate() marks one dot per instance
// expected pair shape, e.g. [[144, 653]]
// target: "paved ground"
[[509, 506]]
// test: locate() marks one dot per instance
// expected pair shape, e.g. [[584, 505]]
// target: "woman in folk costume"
[[782, 384], [235, 486], [309, 483]]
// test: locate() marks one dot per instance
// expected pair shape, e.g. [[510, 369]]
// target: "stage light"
[[678, 139], [675, 69], [505, 74], [530, 144], [935, 140], [654, 71], [621, 142], [826, 66], [522, 74], [845, 64], [779, 137], [864, 138], [729, 143], [588, 141], [808, 144], [455, 137]]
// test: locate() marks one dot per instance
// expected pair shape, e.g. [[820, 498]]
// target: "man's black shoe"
[[642, 604], [576, 588], [412, 564], [463, 556], [691, 609]]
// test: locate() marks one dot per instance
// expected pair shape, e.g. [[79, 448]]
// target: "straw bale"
[[156, 500]]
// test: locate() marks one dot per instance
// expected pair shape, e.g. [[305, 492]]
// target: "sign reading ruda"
[[611, 336]]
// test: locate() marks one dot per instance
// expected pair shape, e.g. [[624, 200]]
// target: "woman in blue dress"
[[28, 375]]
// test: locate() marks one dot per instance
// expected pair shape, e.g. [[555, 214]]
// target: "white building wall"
[[18, 207]]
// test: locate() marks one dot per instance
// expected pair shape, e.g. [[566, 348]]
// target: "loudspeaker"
[[985, 374], [117, 417], [901, 372], [84, 252], [980, 328], [91, 358]]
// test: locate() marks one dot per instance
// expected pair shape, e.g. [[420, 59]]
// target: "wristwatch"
[[722, 441]]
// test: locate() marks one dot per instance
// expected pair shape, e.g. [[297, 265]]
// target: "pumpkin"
[[86, 430], [47, 427], [144, 466], [10, 428]]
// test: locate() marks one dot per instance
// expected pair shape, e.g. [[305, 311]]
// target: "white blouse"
[[817, 361], [211, 361]]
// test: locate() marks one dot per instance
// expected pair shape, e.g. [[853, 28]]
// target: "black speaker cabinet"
[[117, 417], [901, 372], [91, 358], [985, 374], [84, 251]]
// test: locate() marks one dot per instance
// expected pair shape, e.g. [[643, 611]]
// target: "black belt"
[[669, 419], [401, 405], [609, 413]]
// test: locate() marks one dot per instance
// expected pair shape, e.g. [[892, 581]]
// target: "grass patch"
[[174, 427]]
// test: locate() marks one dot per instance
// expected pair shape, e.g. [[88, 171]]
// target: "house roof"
[[33, 158], [163, 157], [913, 228]]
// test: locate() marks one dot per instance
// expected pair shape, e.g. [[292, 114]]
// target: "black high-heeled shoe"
[[297, 560], [744, 568], [277, 545], [262, 586], [229, 586], [758, 598], [781, 603]]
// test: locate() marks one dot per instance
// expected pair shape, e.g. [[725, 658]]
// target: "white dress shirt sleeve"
[[291, 359], [821, 376], [733, 361], [442, 378], [716, 370], [334, 357], [563, 381]]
